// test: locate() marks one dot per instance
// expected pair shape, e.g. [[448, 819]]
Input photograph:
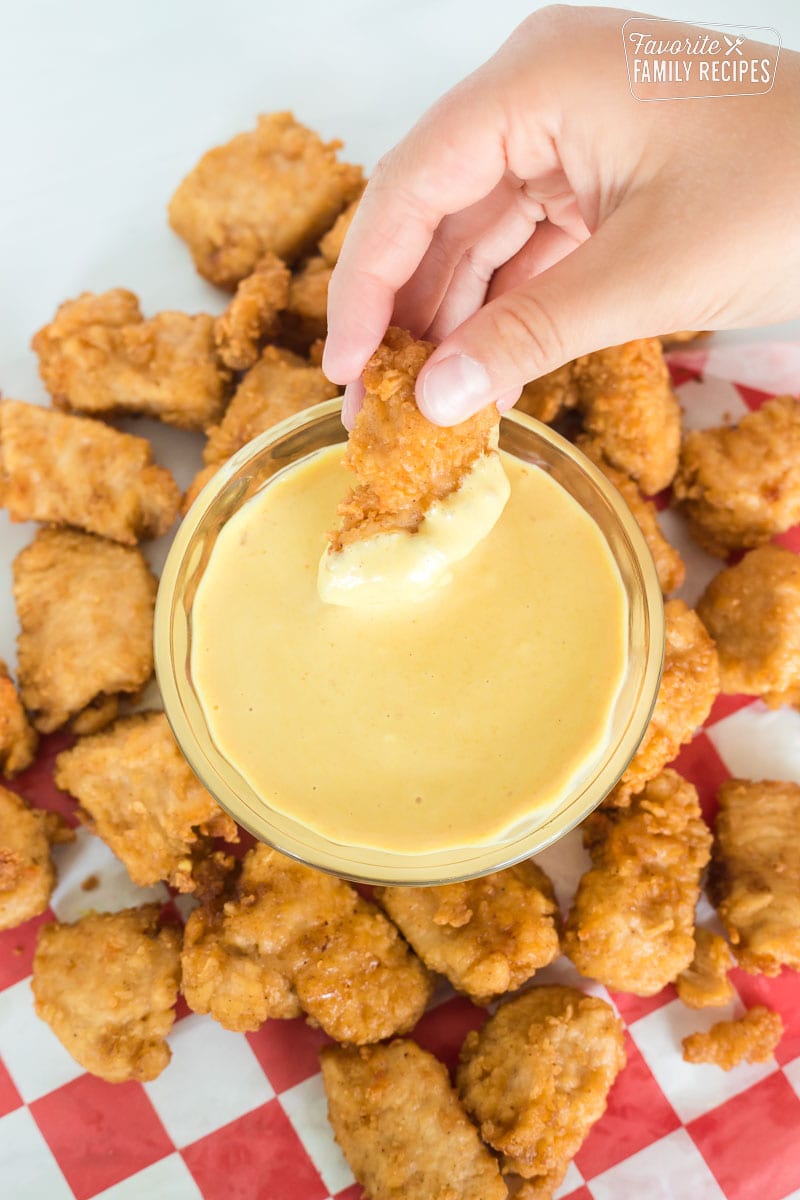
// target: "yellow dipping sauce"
[[437, 724]]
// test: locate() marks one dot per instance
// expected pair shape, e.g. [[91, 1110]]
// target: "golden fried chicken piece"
[[99, 356], [752, 611], [107, 985], [139, 794], [629, 408], [740, 485], [18, 738], [547, 397], [75, 471], [669, 564], [293, 939], [252, 314], [705, 983], [85, 608], [689, 687], [754, 881], [275, 189], [403, 462], [401, 1127], [487, 935], [306, 317], [536, 1077], [330, 245], [27, 874], [632, 921], [752, 1038]]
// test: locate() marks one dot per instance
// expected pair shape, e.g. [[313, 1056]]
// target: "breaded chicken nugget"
[[99, 356], [547, 397], [330, 245], [487, 935], [252, 314], [689, 687], [107, 985], [536, 1077], [752, 1038], [401, 460], [85, 607], [754, 881], [138, 793], [275, 189], [669, 564], [752, 611], [27, 874], [18, 738], [293, 939], [306, 317], [740, 485], [705, 983], [401, 1127], [632, 921], [75, 471]]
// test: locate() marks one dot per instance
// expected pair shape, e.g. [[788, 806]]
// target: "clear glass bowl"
[[251, 470]]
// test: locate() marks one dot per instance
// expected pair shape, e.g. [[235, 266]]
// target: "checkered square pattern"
[[243, 1117]]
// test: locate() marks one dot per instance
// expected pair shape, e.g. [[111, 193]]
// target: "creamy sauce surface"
[[418, 727]]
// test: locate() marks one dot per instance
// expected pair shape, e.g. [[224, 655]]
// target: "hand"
[[538, 212]]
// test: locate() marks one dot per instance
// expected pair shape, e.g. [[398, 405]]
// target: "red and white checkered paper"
[[242, 1117]]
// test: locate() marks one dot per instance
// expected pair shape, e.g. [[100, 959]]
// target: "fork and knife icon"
[[733, 44]]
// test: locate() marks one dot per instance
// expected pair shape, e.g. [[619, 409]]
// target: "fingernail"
[[351, 403], [454, 389]]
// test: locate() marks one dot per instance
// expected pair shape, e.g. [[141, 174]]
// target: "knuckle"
[[528, 334]]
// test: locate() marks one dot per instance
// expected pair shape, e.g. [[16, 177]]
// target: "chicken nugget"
[[546, 397], [752, 611], [99, 356], [293, 939], [27, 874], [275, 189], [487, 935], [740, 485], [668, 562], [536, 1077], [138, 793], [252, 314], [401, 1127], [754, 881], [401, 460], [107, 985], [632, 921], [18, 738], [85, 608], [629, 408], [689, 687], [752, 1038], [306, 317], [76, 471], [330, 245], [705, 983]]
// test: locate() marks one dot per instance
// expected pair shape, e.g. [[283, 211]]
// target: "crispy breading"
[[752, 611], [487, 935], [76, 471], [670, 566], [705, 983], [629, 407], [682, 335], [85, 607], [27, 874], [752, 1038], [293, 939], [330, 244], [138, 793], [99, 356], [252, 315], [401, 1128], [754, 881], [275, 189], [689, 687], [402, 461], [107, 985], [18, 738], [536, 1077], [739, 485], [306, 317], [632, 921], [547, 397]]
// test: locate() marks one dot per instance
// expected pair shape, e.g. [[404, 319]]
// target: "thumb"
[[624, 282]]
